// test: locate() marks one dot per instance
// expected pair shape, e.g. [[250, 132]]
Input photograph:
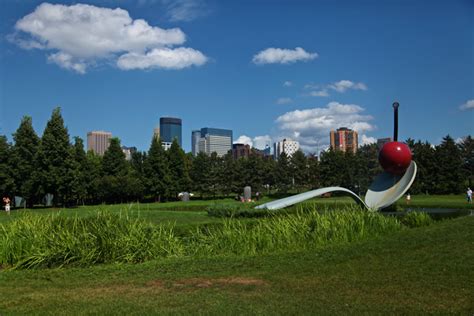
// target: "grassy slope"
[[424, 270]]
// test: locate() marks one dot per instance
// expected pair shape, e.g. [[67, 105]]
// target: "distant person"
[[6, 200], [469, 195], [408, 198], [257, 196]]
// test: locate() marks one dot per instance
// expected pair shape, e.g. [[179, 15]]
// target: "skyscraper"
[[98, 141], [215, 140], [344, 139], [195, 137], [287, 146], [170, 128]]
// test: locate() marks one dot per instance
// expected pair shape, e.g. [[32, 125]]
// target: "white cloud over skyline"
[[259, 142], [78, 36], [282, 56], [469, 105], [311, 127]]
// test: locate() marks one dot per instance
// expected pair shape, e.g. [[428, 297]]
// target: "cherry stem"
[[395, 121]]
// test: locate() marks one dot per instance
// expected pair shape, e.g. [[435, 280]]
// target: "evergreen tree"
[[367, 166], [332, 167], [23, 160], [80, 178], [284, 177], [55, 164], [179, 174], [313, 172], [200, 174], [467, 155], [157, 171], [115, 170], [449, 162], [424, 156], [215, 171], [93, 176], [299, 164], [229, 175], [6, 178]]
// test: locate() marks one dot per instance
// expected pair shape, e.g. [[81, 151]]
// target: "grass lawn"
[[421, 270]]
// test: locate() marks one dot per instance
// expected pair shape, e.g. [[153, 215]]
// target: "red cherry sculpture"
[[395, 157]]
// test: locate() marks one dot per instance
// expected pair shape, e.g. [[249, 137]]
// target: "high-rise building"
[[287, 146], [156, 132], [170, 129], [240, 151], [98, 141], [215, 140], [344, 139], [195, 137]]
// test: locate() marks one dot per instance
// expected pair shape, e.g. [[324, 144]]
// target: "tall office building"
[[344, 139], [98, 141], [383, 141], [287, 146], [129, 151], [195, 137], [156, 132], [215, 140], [170, 128], [241, 151]]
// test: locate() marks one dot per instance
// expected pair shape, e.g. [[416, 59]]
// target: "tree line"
[[34, 166]]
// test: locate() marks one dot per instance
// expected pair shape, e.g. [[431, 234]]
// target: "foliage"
[[6, 177], [416, 219], [157, 172], [237, 211]]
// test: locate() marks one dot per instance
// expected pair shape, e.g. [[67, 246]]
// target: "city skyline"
[[296, 70]]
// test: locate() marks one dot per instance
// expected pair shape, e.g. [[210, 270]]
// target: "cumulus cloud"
[[282, 56], [244, 139], [259, 142], [284, 101], [80, 35], [469, 105], [287, 84], [366, 140], [166, 58], [344, 85], [311, 127]]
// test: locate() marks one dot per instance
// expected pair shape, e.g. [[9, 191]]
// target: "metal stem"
[[395, 121]]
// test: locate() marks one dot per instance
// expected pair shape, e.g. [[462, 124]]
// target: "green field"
[[412, 271]]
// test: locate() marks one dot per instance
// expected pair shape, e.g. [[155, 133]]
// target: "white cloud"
[[259, 142], [282, 56], [66, 61], [344, 85], [185, 10], [319, 93], [80, 35], [284, 101], [167, 58], [243, 139], [311, 127], [287, 84], [366, 140], [469, 105]]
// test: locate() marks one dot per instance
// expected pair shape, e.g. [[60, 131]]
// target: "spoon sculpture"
[[399, 173]]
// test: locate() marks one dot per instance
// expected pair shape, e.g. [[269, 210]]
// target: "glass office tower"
[[170, 128]]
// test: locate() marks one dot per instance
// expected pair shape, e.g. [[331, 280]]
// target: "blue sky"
[[265, 69]]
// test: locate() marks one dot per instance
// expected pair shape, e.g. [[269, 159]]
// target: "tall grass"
[[303, 230], [54, 240]]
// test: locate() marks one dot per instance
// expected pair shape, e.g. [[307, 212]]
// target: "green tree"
[[6, 179], [449, 162], [467, 154], [22, 160], [179, 174], [157, 171], [115, 170], [93, 176], [424, 156], [300, 166], [284, 177], [79, 189], [200, 174], [313, 172]]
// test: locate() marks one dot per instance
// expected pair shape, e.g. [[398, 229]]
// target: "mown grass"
[[426, 270]]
